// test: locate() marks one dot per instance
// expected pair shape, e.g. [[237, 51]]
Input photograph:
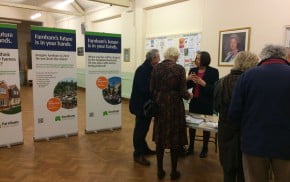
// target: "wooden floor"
[[103, 157]]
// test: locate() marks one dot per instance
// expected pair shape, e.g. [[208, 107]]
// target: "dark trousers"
[[236, 175], [142, 125], [206, 135]]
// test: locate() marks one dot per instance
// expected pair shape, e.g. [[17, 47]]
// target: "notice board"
[[188, 44]]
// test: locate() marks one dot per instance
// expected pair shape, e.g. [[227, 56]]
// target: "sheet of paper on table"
[[210, 124], [212, 118], [192, 120]]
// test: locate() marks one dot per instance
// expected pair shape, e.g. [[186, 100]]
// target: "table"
[[204, 126]]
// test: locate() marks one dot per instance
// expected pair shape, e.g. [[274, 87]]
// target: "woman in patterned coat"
[[168, 85], [228, 137]]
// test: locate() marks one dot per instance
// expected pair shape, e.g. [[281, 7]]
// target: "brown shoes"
[[141, 160]]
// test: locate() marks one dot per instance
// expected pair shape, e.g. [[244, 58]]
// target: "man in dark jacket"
[[260, 107], [140, 94]]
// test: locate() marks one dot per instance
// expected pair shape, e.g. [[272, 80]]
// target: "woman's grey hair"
[[245, 60], [275, 51], [171, 53], [235, 36], [151, 54]]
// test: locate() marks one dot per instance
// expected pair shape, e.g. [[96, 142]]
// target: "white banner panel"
[[54, 84], [10, 103], [103, 81]]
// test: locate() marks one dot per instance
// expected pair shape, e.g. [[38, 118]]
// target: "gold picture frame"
[[231, 42]]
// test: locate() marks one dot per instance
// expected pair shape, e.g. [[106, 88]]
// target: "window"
[[2, 91]]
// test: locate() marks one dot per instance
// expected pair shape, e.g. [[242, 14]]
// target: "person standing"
[[168, 84], [202, 80], [228, 137], [140, 94], [260, 108]]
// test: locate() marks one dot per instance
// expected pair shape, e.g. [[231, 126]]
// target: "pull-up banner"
[[10, 103], [103, 81], [54, 84]]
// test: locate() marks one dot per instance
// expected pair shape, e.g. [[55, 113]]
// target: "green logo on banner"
[[105, 113], [57, 118]]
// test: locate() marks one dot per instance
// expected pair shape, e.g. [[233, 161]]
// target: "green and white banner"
[[54, 84], [103, 81], [10, 102]]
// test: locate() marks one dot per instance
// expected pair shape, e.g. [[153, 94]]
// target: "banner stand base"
[[55, 137], [104, 129], [8, 145]]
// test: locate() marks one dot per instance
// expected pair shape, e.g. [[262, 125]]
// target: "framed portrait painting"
[[287, 36], [231, 42]]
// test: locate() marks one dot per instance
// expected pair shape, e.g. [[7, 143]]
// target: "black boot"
[[190, 148], [203, 153], [160, 170], [174, 158]]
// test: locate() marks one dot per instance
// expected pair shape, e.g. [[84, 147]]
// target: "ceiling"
[[85, 4], [78, 7]]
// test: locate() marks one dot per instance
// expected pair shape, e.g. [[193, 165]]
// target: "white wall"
[[184, 17], [106, 12], [109, 26], [129, 41], [75, 24], [266, 18]]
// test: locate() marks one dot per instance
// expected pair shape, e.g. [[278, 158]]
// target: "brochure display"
[[10, 103], [54, 86], [103, 81]]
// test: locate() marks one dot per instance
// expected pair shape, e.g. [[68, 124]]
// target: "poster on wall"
[[188, 45], [10, 103], [103, 81], [54, 86]]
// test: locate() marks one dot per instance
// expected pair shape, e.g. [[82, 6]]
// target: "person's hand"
[[198, 80], [190, 76]]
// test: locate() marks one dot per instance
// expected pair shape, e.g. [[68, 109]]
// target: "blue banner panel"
[[53, 41], [8, 38], [100, 42]]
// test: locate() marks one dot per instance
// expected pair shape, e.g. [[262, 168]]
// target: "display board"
[[188, 45], [54, 84], [103, 81], [10, 104]]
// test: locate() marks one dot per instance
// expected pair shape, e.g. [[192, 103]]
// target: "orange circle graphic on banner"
[[102, 82], [53, 104]]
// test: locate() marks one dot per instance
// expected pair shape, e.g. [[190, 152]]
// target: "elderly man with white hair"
[[260, 108]]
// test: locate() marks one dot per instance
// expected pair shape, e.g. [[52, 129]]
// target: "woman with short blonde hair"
[[245, 60], [168, 85], [228, 138], [171, 53]]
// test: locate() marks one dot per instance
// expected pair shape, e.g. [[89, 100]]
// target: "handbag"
[[150, 108]]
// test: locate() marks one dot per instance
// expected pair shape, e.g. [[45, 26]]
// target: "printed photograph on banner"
[[112, 92], [66, 92], [10, 102]]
